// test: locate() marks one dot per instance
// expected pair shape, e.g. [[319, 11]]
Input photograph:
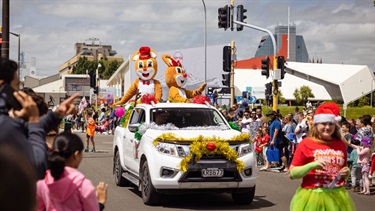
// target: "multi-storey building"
[[93, 50]]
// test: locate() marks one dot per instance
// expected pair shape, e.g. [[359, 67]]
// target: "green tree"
[[303, 93], [297, 96], [280, 97], [105, 71], [363, 101]]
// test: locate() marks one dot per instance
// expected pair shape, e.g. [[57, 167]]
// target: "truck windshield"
[[187, 117]]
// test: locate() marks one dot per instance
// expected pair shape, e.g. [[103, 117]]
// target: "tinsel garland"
[[125, 118], [201, 99], [234, 126], [199, 148], [172, 137], [137, 135]]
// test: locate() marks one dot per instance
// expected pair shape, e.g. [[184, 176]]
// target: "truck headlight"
[[245, 149], [170, 149]]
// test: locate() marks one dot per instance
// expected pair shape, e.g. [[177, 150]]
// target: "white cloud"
[[337, 31]]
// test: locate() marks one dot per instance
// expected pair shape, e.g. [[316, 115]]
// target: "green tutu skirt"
[[322, 199]]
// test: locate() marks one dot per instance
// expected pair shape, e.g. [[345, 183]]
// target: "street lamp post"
[[205, 43], [371, 93], [19, 52]]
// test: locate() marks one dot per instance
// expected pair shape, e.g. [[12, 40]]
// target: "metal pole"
[[19, 56], [5, 30], [232, 76], [275, 92], [260, 29], [96, 85], [371, 93], [288, 32], [205, 42]]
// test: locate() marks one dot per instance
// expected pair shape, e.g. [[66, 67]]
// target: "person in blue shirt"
[[275, 129]]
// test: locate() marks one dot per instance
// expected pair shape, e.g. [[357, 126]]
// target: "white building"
[[344, 83]]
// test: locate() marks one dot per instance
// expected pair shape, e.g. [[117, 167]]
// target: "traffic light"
[[96, 90], [92, 80], [281, 66], [224, 17], [240, 16], [268, 88], [266, 67], [227, 58], [226, 79]]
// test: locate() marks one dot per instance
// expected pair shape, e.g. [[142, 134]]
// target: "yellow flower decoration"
[[199, 147]]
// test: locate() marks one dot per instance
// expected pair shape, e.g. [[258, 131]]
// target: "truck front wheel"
[[119, 179], [244, 197], [149, 194]]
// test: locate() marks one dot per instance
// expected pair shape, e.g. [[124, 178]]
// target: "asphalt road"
[[273, 190]]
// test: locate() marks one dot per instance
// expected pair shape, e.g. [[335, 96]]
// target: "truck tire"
[[119, 179], [245, 197], [149, 194]]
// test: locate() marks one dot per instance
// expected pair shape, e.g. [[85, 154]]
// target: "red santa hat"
[[327, 112], [144, 52]]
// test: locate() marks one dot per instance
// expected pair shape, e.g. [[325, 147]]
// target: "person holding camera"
[[24, 129]]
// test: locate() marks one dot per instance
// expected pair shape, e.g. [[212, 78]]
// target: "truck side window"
[[138, 116]]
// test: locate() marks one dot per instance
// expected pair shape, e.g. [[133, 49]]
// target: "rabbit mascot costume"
[[176, 78], [146, 68]]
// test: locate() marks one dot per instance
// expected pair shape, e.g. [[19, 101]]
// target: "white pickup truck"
[[170, 148]]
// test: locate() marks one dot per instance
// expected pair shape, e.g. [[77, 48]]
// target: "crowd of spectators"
[[285, 132]]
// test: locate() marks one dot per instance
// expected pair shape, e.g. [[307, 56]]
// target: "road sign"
[[253, 99]]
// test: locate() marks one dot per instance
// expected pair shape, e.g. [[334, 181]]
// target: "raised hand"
[[101, 192], [67, 107]]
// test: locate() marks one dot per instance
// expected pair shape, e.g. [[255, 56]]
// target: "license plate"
[[212, 172]]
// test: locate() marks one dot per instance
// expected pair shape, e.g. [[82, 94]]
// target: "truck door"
[[130, 143]]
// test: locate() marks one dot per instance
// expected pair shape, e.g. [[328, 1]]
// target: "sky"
[[337, 31]]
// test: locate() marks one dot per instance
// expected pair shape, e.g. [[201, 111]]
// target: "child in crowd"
[[259, 142], [90, 131], [345, 127], [266, 139], [64, 187], [364, 160], [104, 127], [355, 172], [320, 160]]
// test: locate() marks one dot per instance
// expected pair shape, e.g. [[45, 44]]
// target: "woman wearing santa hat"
[[320, 160]]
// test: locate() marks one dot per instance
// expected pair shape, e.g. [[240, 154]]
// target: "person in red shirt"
[[259, 146], [266, 139], [320, 160]]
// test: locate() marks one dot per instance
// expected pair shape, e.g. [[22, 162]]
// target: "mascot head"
[[174, 74], [146, 65]]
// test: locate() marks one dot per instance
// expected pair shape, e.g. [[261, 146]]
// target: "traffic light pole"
[[232, 75], [96, 87], [275, 91], [260, 29]]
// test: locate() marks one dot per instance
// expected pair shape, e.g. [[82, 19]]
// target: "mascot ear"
[[135, 56], [167, 59], [153, 54]]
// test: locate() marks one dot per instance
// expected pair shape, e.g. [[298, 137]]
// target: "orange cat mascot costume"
[[176, 78], [146, 68]]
